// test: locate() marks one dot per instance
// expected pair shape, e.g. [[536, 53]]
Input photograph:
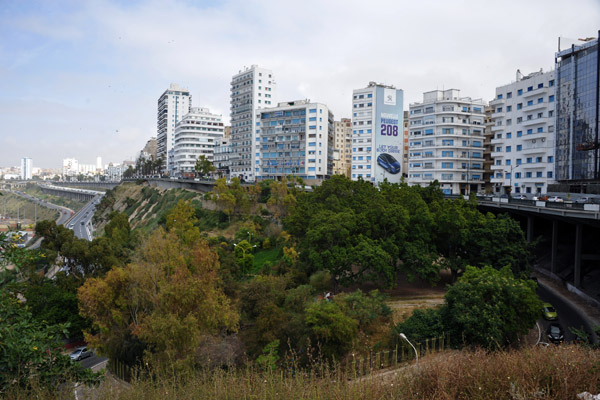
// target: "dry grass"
[[533, 373]]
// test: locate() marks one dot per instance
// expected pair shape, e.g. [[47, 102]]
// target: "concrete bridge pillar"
[[529, 229], [577, 271]]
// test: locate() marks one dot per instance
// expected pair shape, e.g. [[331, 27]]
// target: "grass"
[[271, 255], [557, 372]]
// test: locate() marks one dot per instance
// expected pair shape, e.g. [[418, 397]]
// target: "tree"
[[168, 299], [203, 166], [30, 351], [244, 256], [490, 308], [330, 328]]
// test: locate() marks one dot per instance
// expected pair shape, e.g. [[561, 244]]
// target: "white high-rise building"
[[523, 134], [296, 138], [251, 89], [198, 133], [99, 164], [446, 135], [26, 168], [377, 133], [173, 104], [70, 167]]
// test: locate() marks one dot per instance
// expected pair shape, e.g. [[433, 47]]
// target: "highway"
[[81, 223], [567, 315]]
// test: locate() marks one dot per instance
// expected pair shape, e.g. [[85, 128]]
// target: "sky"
[[82, 78]]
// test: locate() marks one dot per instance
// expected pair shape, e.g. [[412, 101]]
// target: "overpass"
[[72, 193], [569, 235], [87, 185]]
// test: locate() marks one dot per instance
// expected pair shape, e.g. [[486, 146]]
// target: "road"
[[567, 316], [81, 221], [92, 361]]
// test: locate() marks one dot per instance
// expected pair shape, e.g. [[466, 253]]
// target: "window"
[[551, 113], [428, 131], [540, 130], [529, 160], [519, 106], [529, 131], [499, 97], [509, 95], [519, 120], [519, 147], [498, 149], [519, 133], [538, 159], [530, 103], [448, 142], [507, 162], [551, 99], [517, 175], [518, 162], [550, 159], [312, 110], [519, 92], [540, 85], [370, 95], [540, 100], [445, 154], [530, 88], [551, 83], [507, 175], [508, 149], [528, 175], [447, 165], [508, 135], [549, 174], [508, 108]]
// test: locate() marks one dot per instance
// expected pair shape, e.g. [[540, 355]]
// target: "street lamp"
[[403, 336], [243, 249], [511, 175]]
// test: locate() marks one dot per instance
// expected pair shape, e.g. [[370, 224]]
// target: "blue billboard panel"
[[388, 134]]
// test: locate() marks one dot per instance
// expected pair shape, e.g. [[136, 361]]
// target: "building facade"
[[446, 142], [26, 168], [342, 147], [523, 134], [577, 108], [377, 133], [197, 134], [296, 138], [405, 145], [173, 104], [487, 151], [251, 89]]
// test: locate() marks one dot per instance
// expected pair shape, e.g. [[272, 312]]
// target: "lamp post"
[[403, 336], [511, 175]]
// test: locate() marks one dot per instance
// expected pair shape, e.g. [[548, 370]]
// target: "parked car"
[[520, 197], [555, 333], [549, 312], [80, 353], [535, 198], [555, 199], [583, 200]]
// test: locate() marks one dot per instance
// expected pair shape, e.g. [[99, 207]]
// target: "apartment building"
[[342, 147], [296, 138], [446, 135], [197, 134], [523, 123], [173, 104], [377, 133], [251, 89]]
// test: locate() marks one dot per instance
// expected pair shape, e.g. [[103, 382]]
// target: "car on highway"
[[555, 199], [549, 312], [555, 333], [583, 200], [520, 197], [80, 353], [82, 222]]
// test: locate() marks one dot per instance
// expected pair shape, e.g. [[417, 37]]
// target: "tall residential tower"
[[377, 133], [173, 104], [251, 89]]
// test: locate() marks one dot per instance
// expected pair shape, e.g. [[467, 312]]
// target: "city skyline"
[[82, 78]]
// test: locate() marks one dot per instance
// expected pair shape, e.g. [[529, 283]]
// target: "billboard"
[[388, 135]]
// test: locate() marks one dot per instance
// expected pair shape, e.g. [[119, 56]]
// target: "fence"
[[391, 358], [120, 370]]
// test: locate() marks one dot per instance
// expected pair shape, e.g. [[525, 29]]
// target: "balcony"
[[535, 92], [496, 115], [497, 154], [536, 121], [498, 141], [535, 106], [497, 128], [535, 136], [497, 102], [535, 150]]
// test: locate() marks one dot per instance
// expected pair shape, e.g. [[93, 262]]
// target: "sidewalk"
[[587, 311]]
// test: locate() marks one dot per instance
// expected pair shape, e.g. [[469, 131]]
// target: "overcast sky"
[[82, 78]]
